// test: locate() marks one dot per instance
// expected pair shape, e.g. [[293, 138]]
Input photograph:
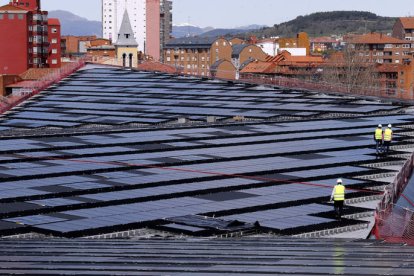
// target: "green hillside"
[[330, 23]]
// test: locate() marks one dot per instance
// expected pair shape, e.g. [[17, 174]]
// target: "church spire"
[[126, 34]]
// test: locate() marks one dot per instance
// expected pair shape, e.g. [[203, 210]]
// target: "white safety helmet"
[[390, 126], [339, 181], [379, 126]]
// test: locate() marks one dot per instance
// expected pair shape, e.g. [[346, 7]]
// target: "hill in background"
[[76, 25], [330, 23]]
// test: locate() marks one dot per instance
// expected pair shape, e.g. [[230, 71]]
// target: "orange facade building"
[[380, 48]]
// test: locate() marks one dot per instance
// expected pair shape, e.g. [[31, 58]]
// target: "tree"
[[351, 70]]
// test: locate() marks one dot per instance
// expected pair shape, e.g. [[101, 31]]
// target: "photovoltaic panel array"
[[196, 180], [108, 97]]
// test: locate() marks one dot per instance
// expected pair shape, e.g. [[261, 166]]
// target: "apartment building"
[[151, 22], [323, 44], [26, 29], [55, 49], [72, 44], [380, 48], [404, 28], [196, 55], [297, 46]]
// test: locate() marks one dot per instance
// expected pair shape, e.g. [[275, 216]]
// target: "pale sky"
[[233, 13]]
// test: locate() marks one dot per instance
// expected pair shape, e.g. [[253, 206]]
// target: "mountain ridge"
[[73, 24]]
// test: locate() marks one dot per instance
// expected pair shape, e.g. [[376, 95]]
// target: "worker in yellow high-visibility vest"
[[378, 136], [338, 196], [388, 133]]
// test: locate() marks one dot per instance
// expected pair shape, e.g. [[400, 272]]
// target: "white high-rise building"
[[112, 13], [151, 22]]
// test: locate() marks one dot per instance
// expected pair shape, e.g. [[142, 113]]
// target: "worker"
[[387, 138], [338, 196], [378, 136]]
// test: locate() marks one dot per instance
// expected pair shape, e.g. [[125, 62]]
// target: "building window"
[[54, 61], [1, 16], [54, 51], [20, 16], [168, 59], [54, 30], [11, 16], [54, 40]]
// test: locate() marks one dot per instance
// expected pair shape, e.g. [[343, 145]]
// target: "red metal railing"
[[29, 89], [394, 223]]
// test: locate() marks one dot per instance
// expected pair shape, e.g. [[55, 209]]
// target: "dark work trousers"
[[379, 145], [387, 146], [339, 206]]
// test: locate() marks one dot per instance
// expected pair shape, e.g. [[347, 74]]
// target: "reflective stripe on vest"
[[388, 135], [378, 134], [339, 193]]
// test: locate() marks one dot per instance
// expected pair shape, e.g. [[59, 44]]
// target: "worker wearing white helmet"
[[388, 135], [338, 196], [378, 136]]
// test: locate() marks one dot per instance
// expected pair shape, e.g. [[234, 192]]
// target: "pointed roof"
[[126, 34]]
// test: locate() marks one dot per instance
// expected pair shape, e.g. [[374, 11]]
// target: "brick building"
[[298, 46], [25, 28], [196, 55], [404, 28], [285, 64], [71, 44], [380, 48], [324, 44], [397, 80], [54, 38]]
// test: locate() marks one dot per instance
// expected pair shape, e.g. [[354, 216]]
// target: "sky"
[[235, 13]]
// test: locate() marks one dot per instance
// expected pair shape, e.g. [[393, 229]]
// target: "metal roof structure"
[[65, 175], [205, 257]]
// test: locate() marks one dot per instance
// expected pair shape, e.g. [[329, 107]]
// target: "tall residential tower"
[[151, 22]]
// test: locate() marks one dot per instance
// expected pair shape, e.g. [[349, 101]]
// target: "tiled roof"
[[9, 7], [259, 67], [285, 56], [37, 73], [23, 84], [407, 22], [375, 38], [53, 21]]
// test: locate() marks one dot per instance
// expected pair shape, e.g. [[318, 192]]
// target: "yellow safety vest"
[[388, 135], [339, 193], [378, 134]]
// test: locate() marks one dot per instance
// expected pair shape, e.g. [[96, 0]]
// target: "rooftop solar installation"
[[204, 257], [107, 96], [73, 163]]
